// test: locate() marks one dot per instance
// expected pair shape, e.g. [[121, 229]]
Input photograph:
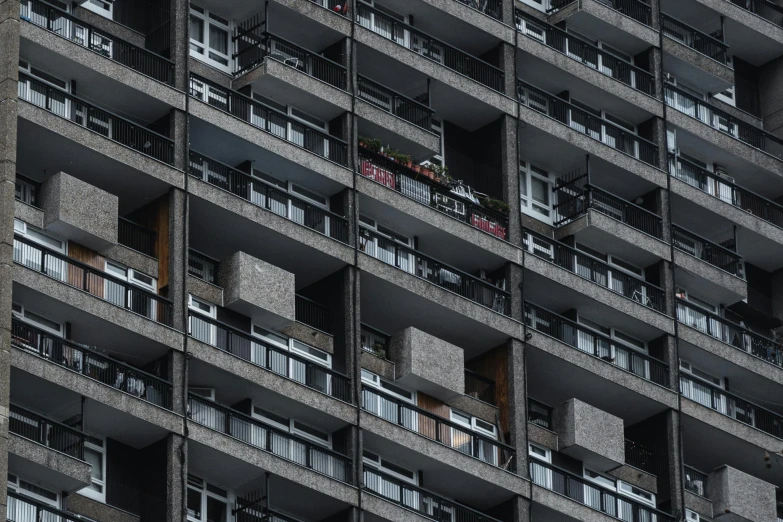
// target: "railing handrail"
[[712, 244], [374, 330], [203, 255], [299, 47], [624, 201], [694, 30], [722, 391], [363, 78], [720, 319], [142, 228], [13, 406], [60, 515], [697, 470], [766, 3]]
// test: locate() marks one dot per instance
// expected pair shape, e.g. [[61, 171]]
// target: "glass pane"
[[540, 190], [196, 29], [218, 39], [194, 503], [95, 460]]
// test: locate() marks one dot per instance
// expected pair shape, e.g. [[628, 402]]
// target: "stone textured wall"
[[427, 363], [589, 434], [742, 495]]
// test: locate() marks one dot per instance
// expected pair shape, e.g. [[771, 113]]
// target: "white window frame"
[[377, 462], [618, 337], [372, 248], [703, 395], [540, 476], [626, 489], [260, 180], [486, 452], [410, 420], [257, 413], [212, 314], [206, 493], [88, 491], [691, 516], [207, 19], [21, 312], [292, 345], [26, 93], [15, 484], [107, 11], [532, 208]]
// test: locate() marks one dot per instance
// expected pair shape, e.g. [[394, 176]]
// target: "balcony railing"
[[395, 103], [21, 508], [46, 432], [596, 344], [89, 279], [730, 405], [730, 333], [709, 252], [92, 364], [136, 237], [421, 501], [331, 5], [438, 429], [721, 188], [268, 197], [429, 47], [723, 121], [539, 413], [95, 119], [269, 120], [263, 436], [767, 10], [586, 53], [638, 456], [691, 37], [203, 267], [313, 314], [63, 24], [27, 190], [607, 501], [480, 387], [588, 124], [418, 187], [595, 270], [374, 341], [639, 11], [491, 8], [445, 276], [695, 481], [780, 511], [270, 357]]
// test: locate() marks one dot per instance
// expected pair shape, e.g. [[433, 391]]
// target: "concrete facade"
[[589, 434], [738, 496]]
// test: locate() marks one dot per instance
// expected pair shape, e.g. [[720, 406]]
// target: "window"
[[699, 386], [99, 6], [294, 345], [535, 191], [373, 460], [201, 329], [207, 393], [641, 495], [19, 485], [621, 351], [386, 245], [209, 38], [384, 401], [37, 320], [32, 256], [117, 293], [691, 516], [540, 473], [207, 502], [293, 209], [294, 368], [95, 455], [477, 447]]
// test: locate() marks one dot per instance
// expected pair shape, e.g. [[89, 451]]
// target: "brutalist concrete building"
[[391, 260]]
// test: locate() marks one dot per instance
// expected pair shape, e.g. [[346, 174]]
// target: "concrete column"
[[670, 357], [508, 62], [176, 478], [521, 508], [508, 12], [178, 250], [675, 470], [180, 44], [662, 209], [513, 279], [178, 377], [351, 307], [658, 128], [510, 172], [517, 403], [179, 133], [656, 67], [656, 20], [770, 88]]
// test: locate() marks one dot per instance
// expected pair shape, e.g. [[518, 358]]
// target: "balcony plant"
[[495, 204]]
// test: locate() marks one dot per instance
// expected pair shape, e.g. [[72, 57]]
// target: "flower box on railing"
[[486, 225], [375, 173]]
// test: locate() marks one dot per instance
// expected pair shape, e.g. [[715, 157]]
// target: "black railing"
[[21, 508], [313, 314], [95, 119], [438, 429], [417, 264], [453, 202], [47, 432], [92, 364], [374, 341], [691, 37], [696, 481], [136, 237], [730, 333], [639, 456], [272, 440], [591, 494], [429, 47], [723, 121], [767, 10], [268, 197], [639, 11], [270, 357], [269, 120], [596, 344], [539, 413], [585, 53], [709, 252], [398, 104], [69, 27], [96, 282], [726, 191], [203, 267], [730, 405], [595, 270], [588, 124], [780, 511], [480, 387], [492, 8], [332, 5], [423, 502], [27, 190]]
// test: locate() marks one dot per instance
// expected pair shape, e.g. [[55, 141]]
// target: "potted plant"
[[496, 205], [379, 349], [364, 142]]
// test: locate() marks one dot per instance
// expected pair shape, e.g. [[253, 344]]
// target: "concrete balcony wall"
[[739, 497], [588, 434]]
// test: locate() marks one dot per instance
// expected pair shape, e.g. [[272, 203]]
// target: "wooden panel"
[[494, 365], [79, 277], [427, 426]]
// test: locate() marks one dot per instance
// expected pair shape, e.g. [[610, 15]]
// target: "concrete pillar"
[[178, 250], [508, 62], [658, 129], [180, 44], [508, 13], [510, 171], [179, 133], [517, 403], [352, 334], [178, 377], [514, 277], [656, 19], [176, 478], [670, 358], [656, 67], [675, 469]]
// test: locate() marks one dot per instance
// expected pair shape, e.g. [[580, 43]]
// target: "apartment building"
[[391, 261]]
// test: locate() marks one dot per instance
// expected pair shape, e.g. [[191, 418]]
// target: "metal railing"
[[724, 122], [639, 11], [480, 387], [596, 344], [588, 124], [698, 41], [331, 5], [21, 508], [374, 341], [92, 280], [445, 276], [593, 495], [586, 53], [418, 187], [313, 314], [46, 432], [539, 413], [721, 188], [443, 431], [71, 28], [491, 8], [593, 269], [780, 511], [425, 503], [27, 190], [767, 10], [709, 252], [429, 47], [203, 267], [277, 360], [730, 405], [271, 440], [395, 103], [95, 119], [730, 333], [136, 237], [269, 120], [92, 364], [268, 197], [638, 456], [696, 481]]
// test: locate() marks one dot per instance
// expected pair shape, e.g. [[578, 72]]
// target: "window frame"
[[205, 493], [527, 204], [104, 12], [22, 314], [207, 18], [88, 491], [377, 462], [15, 485]]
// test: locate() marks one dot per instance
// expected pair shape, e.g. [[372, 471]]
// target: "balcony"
[[92, 364], [639, 457], [445, 276], [438, 429], [539, 413], [639, 11], [695, 481], [491, 8], [395, 103], [95, 119], [712, 253], [691, 37], [480, 387], [585, 53], [27, 191], [266, 438], [260, 353], [430, 48], [766, 10], [374, 341], [46, 432], [313, 314], [71, 28], [588, 124], [21, 508], [726, 491], [136, 237], [203, 267], [269, 120], [596, 344]]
